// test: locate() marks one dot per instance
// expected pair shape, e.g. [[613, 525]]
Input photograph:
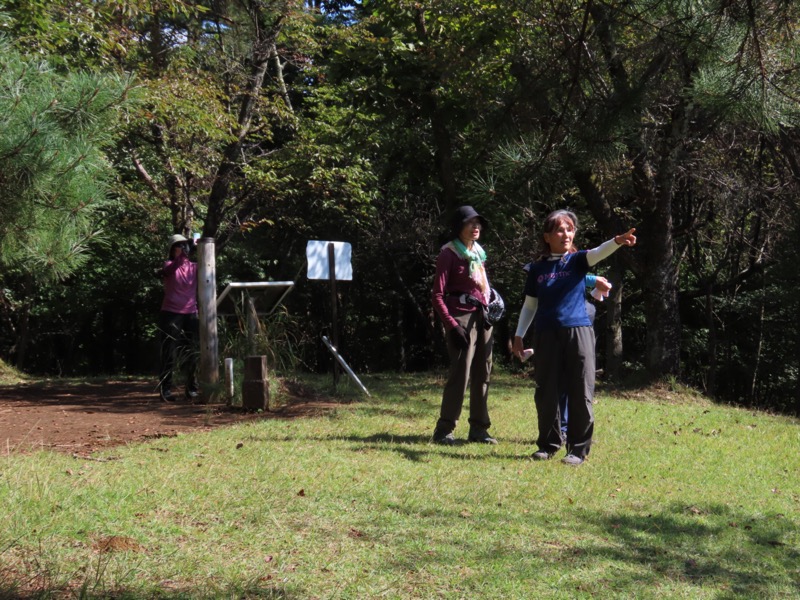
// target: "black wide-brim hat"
[[461, 216]]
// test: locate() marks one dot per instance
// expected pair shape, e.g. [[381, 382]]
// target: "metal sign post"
[[334, 312], [331, 261]]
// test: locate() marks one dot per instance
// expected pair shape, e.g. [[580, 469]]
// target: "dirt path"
[[82, 418]]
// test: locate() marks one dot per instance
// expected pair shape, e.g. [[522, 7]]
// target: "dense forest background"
[[268, 123]]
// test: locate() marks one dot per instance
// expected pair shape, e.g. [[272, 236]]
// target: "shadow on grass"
[[417, 447], [744, 554], [677, 552]]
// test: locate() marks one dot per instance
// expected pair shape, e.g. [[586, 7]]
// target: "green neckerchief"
[[476, 254], [475, 257]]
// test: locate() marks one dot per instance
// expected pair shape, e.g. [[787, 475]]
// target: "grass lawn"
[[681, 498]]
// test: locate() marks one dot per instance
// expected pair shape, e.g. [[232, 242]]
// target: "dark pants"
[[563, 403], [468, 367], [564, 362], [179, 344]]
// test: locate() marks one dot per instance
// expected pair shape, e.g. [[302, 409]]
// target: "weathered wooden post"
[[229, 380], [255, 386], [253, 325], [207, 297]]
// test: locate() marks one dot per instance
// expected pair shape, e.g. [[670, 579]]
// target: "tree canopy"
[[266, 123]]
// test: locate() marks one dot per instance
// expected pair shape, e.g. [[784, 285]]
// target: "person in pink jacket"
[[178, 321]]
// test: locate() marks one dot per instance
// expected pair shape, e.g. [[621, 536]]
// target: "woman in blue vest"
[[564, 354]]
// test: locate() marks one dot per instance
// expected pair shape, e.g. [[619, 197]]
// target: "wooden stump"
[[255, 386]]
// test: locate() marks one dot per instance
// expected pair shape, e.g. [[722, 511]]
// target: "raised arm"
[[606, 249]]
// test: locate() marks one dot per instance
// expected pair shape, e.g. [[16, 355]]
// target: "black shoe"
[[445, 439], [166, 395], [481, 436]]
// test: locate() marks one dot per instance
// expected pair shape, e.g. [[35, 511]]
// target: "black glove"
[[458, 335]]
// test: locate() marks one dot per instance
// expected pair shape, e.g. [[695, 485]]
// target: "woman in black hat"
[[460, 294]]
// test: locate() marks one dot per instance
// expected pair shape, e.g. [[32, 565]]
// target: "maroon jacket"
[[450, 282]]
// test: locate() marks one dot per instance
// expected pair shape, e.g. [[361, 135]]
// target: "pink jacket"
[[180, 286]]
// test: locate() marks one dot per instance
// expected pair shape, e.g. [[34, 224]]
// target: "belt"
[[468, 299]]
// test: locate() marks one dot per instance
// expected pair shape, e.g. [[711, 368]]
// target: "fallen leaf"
[[301, 493], [117, 543], [355, 533]]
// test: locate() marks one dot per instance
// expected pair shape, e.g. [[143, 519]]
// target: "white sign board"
[[317, 256]]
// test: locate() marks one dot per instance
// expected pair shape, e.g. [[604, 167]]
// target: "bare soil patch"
[[82, 418]]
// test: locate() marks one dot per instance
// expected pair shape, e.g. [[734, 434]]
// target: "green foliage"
[[9, 375], [55, 177], [374, 119], [95, 34]]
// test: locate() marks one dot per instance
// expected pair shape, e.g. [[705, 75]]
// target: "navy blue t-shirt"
[[559, 287]]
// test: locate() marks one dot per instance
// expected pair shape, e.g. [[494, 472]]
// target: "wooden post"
[[334, 316], [229, 380], [255, 386], [207, 296], [252, 323]]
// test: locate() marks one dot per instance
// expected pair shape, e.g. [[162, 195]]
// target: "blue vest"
[[559, 286]]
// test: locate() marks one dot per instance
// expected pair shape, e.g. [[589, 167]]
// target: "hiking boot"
[[166, 395], [572, 459], [542, 455], [481, 436], [444, 439]]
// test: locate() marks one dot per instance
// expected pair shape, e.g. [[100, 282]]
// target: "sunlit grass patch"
[[680, 499]]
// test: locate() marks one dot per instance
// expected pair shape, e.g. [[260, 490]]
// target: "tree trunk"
[[444, 159], [654, 184], [231, 155], [711, 380], [660, 285], [23, 340], [614, 354], [402, 366], [442, 142]]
